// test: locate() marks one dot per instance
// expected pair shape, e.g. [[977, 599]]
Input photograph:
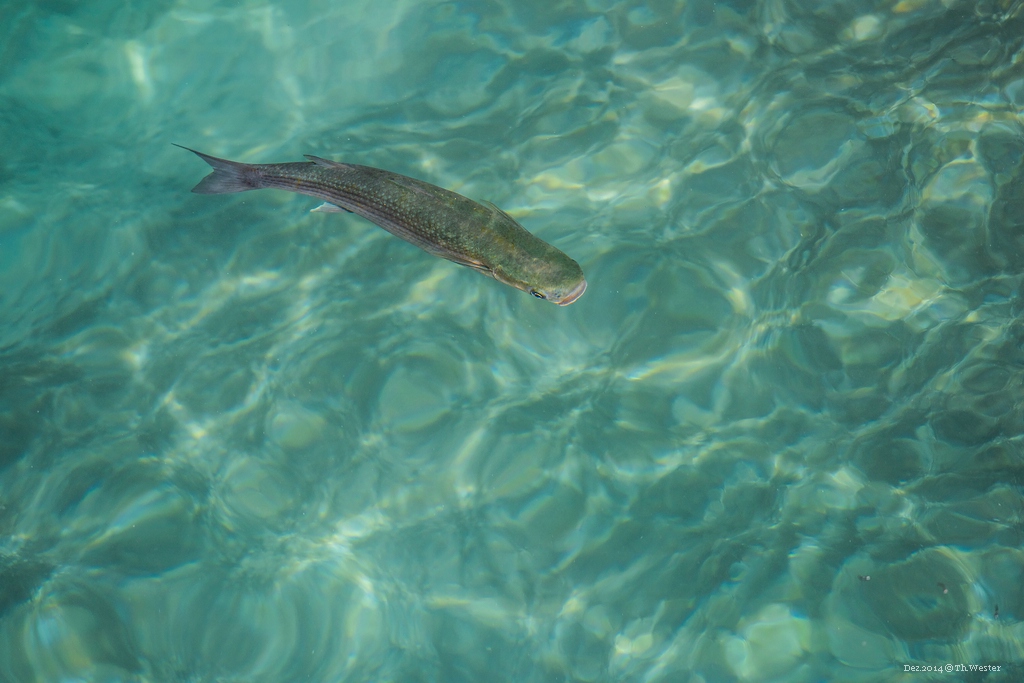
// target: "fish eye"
[[537, 294]]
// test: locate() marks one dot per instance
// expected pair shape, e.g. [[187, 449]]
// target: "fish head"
[[557, 279], [522, 260]]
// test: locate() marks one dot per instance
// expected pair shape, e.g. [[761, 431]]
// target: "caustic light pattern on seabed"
[[779, 439]]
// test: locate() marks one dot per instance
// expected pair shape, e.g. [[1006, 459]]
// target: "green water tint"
[[777, 440]]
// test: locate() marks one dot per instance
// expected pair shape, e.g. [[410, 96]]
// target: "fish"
[[441, 222]]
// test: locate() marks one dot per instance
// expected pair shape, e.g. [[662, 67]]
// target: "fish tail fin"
[[227, 176]]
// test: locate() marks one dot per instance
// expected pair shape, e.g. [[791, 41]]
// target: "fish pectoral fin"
[[327, 163], [463, 261], [327, 207]]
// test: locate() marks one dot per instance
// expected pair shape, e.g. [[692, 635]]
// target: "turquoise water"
[[780, 438]]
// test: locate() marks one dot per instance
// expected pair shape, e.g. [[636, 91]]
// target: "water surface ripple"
[[779, 439]]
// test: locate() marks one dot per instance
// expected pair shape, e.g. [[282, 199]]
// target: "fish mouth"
[[574, 294]]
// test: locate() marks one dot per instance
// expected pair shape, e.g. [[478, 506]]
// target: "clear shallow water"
[[779, 438]]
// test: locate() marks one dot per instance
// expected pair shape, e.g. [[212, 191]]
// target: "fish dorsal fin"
[[327, 163], [410, 184], [490, 204]]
